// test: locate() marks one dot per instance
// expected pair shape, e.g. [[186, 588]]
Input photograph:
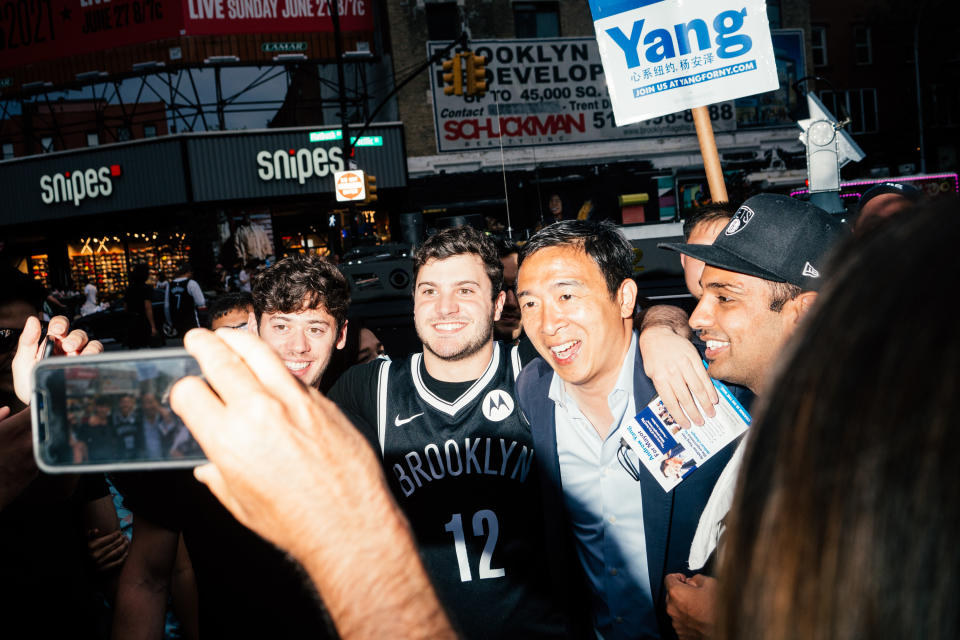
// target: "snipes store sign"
[[289, 162], [77, 185], [183, 169], [122, 177]]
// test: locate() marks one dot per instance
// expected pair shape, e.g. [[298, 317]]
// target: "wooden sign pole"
[[711, 159]]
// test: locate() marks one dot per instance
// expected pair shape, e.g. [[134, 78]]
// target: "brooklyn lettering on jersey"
[[487, 456]]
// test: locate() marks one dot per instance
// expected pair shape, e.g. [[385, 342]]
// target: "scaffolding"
[[192, 99]]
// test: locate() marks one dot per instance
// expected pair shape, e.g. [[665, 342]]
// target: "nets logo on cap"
[[740, 219]]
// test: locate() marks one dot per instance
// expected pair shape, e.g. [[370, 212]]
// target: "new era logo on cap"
[[772, 237]]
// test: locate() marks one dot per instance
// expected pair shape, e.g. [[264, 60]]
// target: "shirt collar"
[[625, 379]]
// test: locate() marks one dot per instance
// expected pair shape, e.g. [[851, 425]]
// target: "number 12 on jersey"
[[455, 526]]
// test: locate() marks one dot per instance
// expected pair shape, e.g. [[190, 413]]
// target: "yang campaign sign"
[[663, 56]]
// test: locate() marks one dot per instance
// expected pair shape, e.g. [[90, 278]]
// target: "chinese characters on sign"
[[662, 56]]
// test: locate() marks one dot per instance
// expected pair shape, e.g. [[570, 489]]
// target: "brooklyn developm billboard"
[[544, 91]]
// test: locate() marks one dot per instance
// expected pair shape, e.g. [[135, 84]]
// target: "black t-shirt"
[[48, 586], [246, 587], [446, 391], [459, 460], [135, 296]]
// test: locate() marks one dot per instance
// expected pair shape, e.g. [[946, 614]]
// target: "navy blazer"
[[669, 518]]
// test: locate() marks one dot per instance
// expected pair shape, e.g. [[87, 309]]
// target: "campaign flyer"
[[671, 453]]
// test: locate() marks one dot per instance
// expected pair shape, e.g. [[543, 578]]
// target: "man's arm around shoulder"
[[674, 365]]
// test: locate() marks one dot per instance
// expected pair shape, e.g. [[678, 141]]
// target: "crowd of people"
[[126, 427], [482, 487]]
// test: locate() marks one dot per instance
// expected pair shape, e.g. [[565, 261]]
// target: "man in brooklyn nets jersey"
[[456, 450]]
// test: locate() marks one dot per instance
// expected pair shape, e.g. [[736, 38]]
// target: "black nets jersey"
[[462, 471]]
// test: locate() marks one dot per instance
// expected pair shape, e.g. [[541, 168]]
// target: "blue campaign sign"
[[663, 56], [606, 8]]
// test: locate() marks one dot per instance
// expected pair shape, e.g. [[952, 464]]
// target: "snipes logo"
[[299, 164], [77, 186]]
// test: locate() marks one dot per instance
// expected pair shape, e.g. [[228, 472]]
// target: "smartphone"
[[111, 412]]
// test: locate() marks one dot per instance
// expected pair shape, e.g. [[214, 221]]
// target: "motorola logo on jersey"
[[497, 405]]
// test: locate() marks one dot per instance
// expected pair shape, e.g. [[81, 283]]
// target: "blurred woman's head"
[[845, 522], [139, 274]]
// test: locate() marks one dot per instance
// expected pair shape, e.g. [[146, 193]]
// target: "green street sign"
[[337, 134]]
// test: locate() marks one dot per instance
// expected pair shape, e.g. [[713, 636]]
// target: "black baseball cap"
[[772, 237], [907, 191]]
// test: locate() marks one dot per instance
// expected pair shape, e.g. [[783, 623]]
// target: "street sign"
[[350, 186], [337, 134], [663, 56]]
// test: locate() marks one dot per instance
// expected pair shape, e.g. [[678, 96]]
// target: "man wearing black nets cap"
[[762, 275], [761, 278]]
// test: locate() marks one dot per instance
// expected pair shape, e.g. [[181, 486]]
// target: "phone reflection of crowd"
[[105, 428]]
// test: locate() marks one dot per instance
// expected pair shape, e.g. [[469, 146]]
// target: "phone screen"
[[111, 412]]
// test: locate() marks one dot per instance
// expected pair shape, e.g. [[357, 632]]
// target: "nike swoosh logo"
[[398, 422]]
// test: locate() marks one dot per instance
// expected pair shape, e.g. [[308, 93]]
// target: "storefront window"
[[101, 261], [162, 253], [304, 243], [39, 264], [106, 261]]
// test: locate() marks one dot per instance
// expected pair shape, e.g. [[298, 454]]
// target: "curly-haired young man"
[[244, 587], [300, 309]]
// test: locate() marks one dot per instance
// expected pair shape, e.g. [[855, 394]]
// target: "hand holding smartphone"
[[111, 412], [37, 341]]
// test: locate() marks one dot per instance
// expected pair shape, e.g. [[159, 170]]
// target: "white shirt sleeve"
[[194, 290]]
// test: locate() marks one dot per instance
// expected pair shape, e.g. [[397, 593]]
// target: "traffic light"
[[476, 74], [453, 75], [370, 187]]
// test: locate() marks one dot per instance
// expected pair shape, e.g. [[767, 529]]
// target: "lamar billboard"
[[43, 30]]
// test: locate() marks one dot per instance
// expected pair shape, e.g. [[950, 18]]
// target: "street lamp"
[[829, 147]]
